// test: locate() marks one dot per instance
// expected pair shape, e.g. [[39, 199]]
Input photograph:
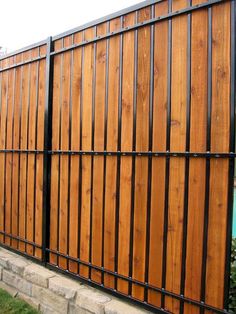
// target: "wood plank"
[[4, 83], [98, 161], [87, 90], [64, 159], [16, 157], [159, 144], [31, 157], [9, 142], [141, 163], [197, 176], [126, 162], [40, 157], [177, 165], [75, 160], [56, 105], [23, 145], [111, 163], [220, 129]]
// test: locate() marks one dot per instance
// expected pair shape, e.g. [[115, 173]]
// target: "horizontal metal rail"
[[107, 18], [125, 153], [24, 49], [22, 63], [11, 236], [139, 25], [26, 255], [146, 285]]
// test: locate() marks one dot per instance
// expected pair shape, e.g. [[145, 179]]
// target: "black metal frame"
[[47, 152]]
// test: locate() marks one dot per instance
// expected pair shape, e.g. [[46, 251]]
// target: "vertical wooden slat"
[[31, 157], [177, 165], [220, 128], [23, 145], [159, 144], [75, 145], [88, 69], [141, 163], [16, 157], [197, 167], [40, 157], [54, 209], [111, 166], [9, 142], [126, 145], [64, 140], [3, 146], [98, 162]]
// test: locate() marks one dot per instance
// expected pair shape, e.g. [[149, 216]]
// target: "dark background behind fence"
[[117, 153]]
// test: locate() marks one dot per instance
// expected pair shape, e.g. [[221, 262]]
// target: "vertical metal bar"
[[231, 161], [47, 147], [36, 140], [119, 149], [133, 149], [149, 190], [186, 187], [92, 157], [69, 156], [207, 188], [105, 143], [80, 162], [168, 129]]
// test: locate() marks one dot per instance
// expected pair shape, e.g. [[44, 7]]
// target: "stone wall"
[[50, 292]]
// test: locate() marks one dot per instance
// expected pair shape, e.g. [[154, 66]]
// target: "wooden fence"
[[117, 153]]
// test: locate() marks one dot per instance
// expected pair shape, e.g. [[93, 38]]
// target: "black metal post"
[[47, 146]]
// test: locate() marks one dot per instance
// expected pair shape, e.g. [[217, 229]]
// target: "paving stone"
[[17, 282], [75, 309], [12, 291], [31, 301], [64, 286], [17, 265], [118, 307], [90, 300], [38, 275], [46, 309], [50, 299]]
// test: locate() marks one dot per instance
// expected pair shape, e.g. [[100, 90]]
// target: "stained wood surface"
[[142, 217]]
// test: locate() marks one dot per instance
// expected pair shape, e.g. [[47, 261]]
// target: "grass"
[[10, 305]]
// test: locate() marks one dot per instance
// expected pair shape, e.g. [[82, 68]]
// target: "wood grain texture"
[[98, 161], [75, 160], [220, 127], [159, 144], [198, 136], [111, 163], [24, 145], [177, 165], [126, 162], [87, 101], [141, 163]]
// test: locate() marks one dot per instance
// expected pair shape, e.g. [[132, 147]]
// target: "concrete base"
[[50, 292]]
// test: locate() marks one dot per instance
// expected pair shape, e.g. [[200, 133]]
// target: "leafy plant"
[[232, 300]]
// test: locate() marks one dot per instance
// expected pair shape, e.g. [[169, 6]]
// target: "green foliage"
[[232, 302], [9, 305]]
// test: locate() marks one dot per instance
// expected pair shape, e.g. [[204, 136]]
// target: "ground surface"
[[9, 305]]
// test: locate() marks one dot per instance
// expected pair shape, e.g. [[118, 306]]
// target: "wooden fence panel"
[[22, 133], [138, 194]]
